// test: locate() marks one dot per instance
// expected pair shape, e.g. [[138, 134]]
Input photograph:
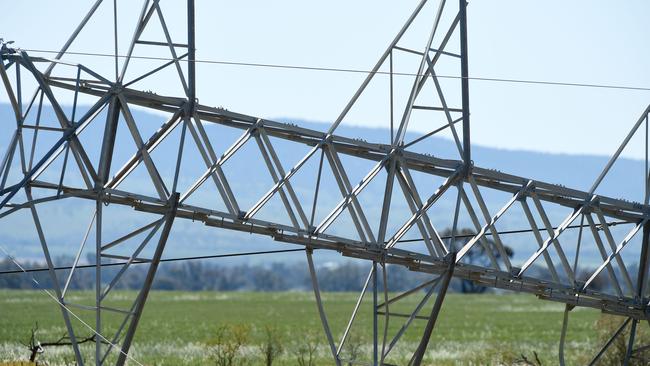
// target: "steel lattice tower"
[[37, 171]]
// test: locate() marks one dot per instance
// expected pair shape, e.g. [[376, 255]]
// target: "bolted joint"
[[190, 107], [241, 215], [5, 49]]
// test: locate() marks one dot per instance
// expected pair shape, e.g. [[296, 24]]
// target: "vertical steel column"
[[640, 286], [375, 320], [643, 263], [464, 71], [155, 261], [103, 173], [319, 304], [108, 143], [191, 55], [98, 279], [424, 342]]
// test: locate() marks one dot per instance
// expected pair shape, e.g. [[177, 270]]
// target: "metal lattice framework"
[[36, 171]]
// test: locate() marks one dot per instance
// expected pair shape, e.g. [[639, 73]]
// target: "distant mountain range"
[[575, 171]]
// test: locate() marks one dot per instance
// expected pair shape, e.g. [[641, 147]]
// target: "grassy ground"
[[182, 328]]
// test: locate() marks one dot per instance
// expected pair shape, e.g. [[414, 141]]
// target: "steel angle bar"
[[98, 270], [16, 207], [556, 243], [209, 158], [319, 304], [375, 316], [443, 101], [8, 65], [392, 98], [76, 258], [553, 235], [35, 136], [156, 179], [464, 81], [612, 245], [208, 146], [642, 275], [603, 254], [438, 109], [630, 344], [388, 195], [538, 238], [152, 72], [405, 175], [429, 134], [444, 285], [384, 273], [179, 154], [345, 191], [316, 191], [133, 257], [74, 35], [10, 93], [350, 197], [454, 226], [565, 326], [411, 317], [423, 208], [274, 175], [150, 146], [609, 342], [191, 51], [54, 277], [406, 293], [406, 116], [172, 50], [354, 312], [281, 172], [100, 79], [620, 149], [50, 155], [426, 229], [81, 158], [5, 166], [144, 292], [380, 62], [343, 181], [618, 250], [131, 234], [108, 143], [438, 52], [480, 237], [143, 19], [492, 220], [216, 165], [283, 180]]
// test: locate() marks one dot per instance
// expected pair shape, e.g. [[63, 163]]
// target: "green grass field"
[[182, 328]]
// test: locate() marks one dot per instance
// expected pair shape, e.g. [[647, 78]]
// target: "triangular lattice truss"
[[50, 157]]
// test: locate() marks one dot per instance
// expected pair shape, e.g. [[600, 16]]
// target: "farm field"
[[186, 328]]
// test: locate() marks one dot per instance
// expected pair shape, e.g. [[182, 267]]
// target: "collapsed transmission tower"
[[47, 160]]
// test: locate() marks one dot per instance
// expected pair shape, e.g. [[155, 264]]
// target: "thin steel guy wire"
[[178, 259], [162, 260], [67, 309], [357, 71]]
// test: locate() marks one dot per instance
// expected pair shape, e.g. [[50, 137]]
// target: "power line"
[[358, 71], [178, 259], [520, 231], [27, 270]]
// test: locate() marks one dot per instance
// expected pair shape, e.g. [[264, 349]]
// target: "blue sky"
[[599, 42]]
